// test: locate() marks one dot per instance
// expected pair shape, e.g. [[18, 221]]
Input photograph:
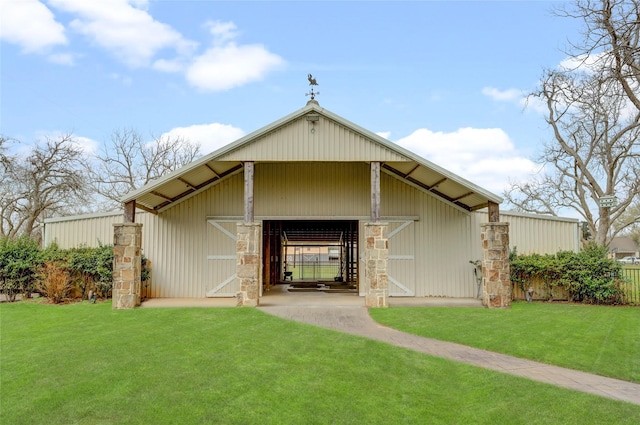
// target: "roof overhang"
[[201, 174]]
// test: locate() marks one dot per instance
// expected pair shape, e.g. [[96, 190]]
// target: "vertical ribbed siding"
[[88, 231], [300, 140], [443, 240], [530, 234], [311, 189], [440, 241], [181, 268]]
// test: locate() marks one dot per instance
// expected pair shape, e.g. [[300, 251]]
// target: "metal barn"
[[313, 181]]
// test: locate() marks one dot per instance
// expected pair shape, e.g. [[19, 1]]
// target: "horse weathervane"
[[312, 82]]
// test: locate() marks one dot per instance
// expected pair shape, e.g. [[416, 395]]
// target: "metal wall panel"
[[181, 246], [301, 140], [443, 240], [440, 242], [530, 233], [76, 231], [312, 189]]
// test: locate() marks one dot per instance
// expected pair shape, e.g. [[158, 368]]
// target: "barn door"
[[221, 256], [401, 265]]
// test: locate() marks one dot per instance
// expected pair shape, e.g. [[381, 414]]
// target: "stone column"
[[496, 278], [127, 265], [249, 264], [376, 254]]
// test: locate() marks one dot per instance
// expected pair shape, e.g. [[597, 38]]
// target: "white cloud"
[[509, 95], [486, 157], [516, 96], [31, 25], [169, 65], [222, 32], [124, 28], [226, 64], [127, 30], [384, 134], [587, 63], [209, 136], [87, 145]]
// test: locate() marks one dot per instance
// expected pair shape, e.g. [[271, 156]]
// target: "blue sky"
[[446, 80]]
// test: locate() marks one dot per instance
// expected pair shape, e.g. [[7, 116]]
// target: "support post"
[[376, 254], [130, 212], [248, 192], [127, 265], [249, 248], [249, 264], [375, 192], [496, 278], [494, 212]]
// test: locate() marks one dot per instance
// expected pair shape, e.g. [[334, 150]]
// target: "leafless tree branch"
[[129, 162]]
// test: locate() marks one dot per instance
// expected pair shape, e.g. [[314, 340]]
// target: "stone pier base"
[[127, 265], [496, 278], [249, 264], [376, 253]]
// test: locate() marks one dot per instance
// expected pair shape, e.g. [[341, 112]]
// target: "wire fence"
[[307, 267], [631, 287], [315, 270]]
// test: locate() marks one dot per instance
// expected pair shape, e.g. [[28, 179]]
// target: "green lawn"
[[88, 364], [596, 339]]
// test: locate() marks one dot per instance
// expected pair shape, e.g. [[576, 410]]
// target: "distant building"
[[623, 246]]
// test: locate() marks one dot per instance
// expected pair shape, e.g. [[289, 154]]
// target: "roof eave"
[[130, 196]]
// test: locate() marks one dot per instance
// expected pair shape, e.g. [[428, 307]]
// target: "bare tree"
[[595, 152], [611, 40], [593, 109], [630, 222], [4, 160], [40, 184], [130, 162]]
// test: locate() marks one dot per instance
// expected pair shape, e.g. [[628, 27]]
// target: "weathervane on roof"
[[312, 82]]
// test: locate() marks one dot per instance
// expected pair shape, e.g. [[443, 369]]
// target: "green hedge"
[[25, 269], [588, 276], [20, 260]]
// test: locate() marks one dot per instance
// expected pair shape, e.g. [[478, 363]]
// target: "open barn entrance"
[[313, 255]]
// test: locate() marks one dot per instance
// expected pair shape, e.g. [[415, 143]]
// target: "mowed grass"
[[88, 364], [596, 339]]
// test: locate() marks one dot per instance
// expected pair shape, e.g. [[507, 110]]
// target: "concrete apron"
[[280, 296]]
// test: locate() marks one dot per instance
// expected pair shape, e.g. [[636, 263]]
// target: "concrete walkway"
[[356, 321], [346, 313]]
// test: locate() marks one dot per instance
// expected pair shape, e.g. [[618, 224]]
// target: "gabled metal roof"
[[228, 160]]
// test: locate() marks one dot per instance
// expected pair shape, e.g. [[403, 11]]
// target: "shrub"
[[57, 273], [103, 276], [588, 276], [19, 265], [92, 269], [55, 282]]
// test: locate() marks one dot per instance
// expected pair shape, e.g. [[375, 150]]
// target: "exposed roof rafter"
[[164, 192]]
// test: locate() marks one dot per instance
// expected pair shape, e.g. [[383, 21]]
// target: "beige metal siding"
[[87, 230], [529, 233], [300, 140], [312, 189], [440, 241], [444, 238], [180, 246]]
